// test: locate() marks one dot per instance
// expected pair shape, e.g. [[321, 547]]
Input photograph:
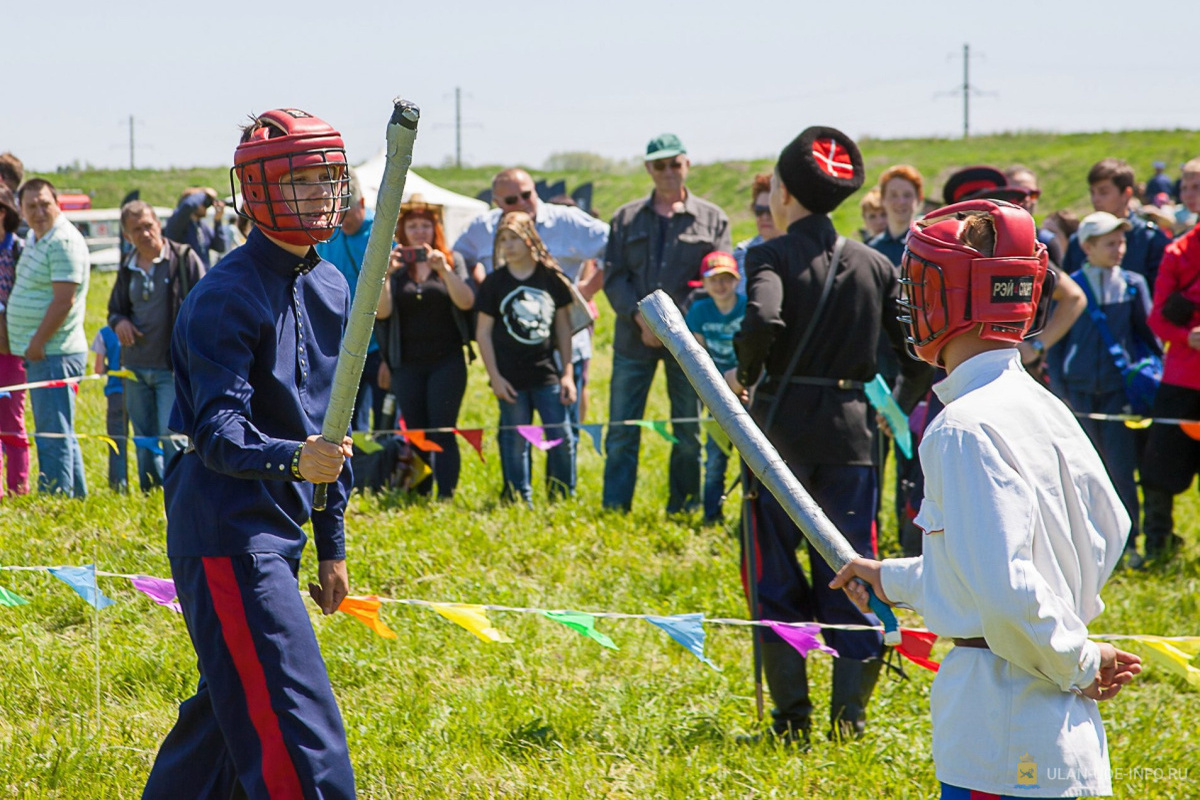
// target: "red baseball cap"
[[717, 262]]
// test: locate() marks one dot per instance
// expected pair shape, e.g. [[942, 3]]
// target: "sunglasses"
[[512, 199], [762, 211], [1034, 194], [661, 165]]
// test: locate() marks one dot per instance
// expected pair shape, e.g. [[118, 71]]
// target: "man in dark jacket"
[[655, 243], [820, 418], [145, 300], [187, 225]]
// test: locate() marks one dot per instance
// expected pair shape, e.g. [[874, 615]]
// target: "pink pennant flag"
[[475, 437], [802, 637], [536, 435], [160, 590]]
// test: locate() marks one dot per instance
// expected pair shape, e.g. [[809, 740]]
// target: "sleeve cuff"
[[330, 539], [901, 580], [1089, 666]]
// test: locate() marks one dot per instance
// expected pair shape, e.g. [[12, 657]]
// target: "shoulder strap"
[[184, 270], [1100, 320], [785, 378]]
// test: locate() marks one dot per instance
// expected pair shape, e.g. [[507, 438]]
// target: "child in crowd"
[[1022, 526], [523, 319], [107, 348], [1082, 364], [714, 320], [14, 446]]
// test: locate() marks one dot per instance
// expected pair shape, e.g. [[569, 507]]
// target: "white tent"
[[460, 209]]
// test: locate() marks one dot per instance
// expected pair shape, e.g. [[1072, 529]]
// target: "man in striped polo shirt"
[[45, 327]]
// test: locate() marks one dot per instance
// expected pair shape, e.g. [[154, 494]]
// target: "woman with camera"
[[422, 328]]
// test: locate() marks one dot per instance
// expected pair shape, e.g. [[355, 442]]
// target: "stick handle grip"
[[891, 627], [320, 496]]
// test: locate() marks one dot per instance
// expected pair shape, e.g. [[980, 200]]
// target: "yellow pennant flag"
[[122, 373], [1138, 424], [1174, 656], [420, 471], [108, 442], [473, 618], [366, 610]]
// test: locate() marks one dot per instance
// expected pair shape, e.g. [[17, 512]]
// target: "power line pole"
[[966, 87], [458, 127], [131, 141]]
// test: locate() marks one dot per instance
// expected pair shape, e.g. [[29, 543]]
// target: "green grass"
[[438, 714], [1061, 161]]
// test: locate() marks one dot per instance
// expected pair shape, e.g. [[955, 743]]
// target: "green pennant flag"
[[365, 442], [717, 435], [7, 598], [583, 623], [658, 426]]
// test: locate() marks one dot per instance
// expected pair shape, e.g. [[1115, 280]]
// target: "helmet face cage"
[[270, 196], [923, 300]]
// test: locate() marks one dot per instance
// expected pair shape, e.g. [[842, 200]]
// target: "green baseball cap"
[[665, 145]]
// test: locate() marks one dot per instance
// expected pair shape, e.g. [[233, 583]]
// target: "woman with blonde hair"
[[524, 320]]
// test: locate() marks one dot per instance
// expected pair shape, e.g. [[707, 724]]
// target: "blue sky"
[[734, 80]]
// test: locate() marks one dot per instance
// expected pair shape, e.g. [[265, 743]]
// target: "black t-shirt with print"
[[523, 333]]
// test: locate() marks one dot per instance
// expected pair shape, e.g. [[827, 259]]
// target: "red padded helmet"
[[950, 288], [278, 144]]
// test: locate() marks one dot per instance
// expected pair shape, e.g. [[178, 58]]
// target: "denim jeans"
[[580, 368], [148, 401], [116, 425], [628, 390], [515, 448], [60, 461], [716, 463]]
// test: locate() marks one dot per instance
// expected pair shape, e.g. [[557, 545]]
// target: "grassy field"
[[1061, 161], [437, 713]]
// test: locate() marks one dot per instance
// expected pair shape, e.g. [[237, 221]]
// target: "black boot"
[[853, 682], [787, 679]]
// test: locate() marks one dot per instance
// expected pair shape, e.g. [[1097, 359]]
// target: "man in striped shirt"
[[45, 327]]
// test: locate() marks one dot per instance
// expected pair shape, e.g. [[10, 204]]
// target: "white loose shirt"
[[1023, 527]]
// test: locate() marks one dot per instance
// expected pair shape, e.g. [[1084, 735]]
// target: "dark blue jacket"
[[254, 351], [1145, 244], [1080, 361]]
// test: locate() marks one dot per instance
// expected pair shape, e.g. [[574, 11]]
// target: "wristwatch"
[[1038, 346]]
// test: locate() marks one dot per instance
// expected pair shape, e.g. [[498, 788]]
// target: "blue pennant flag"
[[596, 431], [151, 443], [83, 581], [688, 630]]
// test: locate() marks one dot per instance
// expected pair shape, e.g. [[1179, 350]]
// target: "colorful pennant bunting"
[[1173, 657], [802, 637], [150, 443], [10, 599], [688, 630], [596, 431], [160, 590], [583, 623], [536, 436], [83, 581], [419, 440], [366, 610], [365, 442], [916, 646], [474, 437], [658, 426], [108, 441], [420, 471], [713, 428], [472, 617]]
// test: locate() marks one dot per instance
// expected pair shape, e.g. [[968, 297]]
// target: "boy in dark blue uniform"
[[254, 350]]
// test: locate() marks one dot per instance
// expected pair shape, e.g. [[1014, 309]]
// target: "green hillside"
[[1062, 162]]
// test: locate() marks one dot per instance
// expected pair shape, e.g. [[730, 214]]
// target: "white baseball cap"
[[1099, 223]]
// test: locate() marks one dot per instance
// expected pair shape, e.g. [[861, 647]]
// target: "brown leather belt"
[[977, 642]]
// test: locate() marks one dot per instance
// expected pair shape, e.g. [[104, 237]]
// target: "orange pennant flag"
[[475, 437], [417, 439], [1192, 429], [366, 610]]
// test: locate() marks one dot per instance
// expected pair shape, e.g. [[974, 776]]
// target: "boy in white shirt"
[[1022, 525]]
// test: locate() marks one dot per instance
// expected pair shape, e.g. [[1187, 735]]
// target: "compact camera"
[[411, 255]]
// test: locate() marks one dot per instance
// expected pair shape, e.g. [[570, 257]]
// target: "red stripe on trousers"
[[279, 773]]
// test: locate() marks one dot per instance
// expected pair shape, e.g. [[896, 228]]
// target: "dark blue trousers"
[[263, 722], [847, 495]]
